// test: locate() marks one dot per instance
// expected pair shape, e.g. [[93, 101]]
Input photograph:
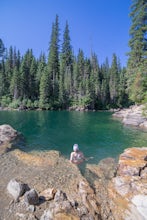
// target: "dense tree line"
[[62, 80]]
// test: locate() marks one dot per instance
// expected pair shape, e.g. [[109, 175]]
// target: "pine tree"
[[105, 91], [2, 80], [80, 74], [53, 62], [40, 69], [122, 94], [15, 79], [9, 66], [95, 81], [26, 76], [114, 80], [2, 50], [32, 84], [15, 84], [137, 63], [2, 69], [66, 70], [44, 90]]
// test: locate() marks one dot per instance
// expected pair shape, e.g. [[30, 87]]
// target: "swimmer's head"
[[75, 147]]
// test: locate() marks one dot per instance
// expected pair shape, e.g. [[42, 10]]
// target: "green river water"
[[97, 133]]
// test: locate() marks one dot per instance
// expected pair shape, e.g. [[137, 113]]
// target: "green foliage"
[[29, 104], [36, 104], [137, 62], [5, 101], [15, 104], [2, 49], [145, 107]]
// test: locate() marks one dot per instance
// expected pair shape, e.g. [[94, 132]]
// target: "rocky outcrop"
[[8, 135], [128, 190], [133, 116], [121, 190]]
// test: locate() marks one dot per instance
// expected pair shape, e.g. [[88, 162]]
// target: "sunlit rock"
[[16, 188], [38, 159], [140, 202], [128, 190], [7, 133], [48, 194], [133, 116], [7, 136]]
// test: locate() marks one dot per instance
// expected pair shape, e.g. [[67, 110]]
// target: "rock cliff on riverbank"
[[46, 186], [135, 116]]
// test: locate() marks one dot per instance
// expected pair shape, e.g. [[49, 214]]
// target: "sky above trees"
[[100, 26]]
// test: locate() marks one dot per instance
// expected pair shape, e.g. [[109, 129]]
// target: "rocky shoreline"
[[133, 116], [46, 186]]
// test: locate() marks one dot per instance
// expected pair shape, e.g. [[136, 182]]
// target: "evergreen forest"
[[63, 80]]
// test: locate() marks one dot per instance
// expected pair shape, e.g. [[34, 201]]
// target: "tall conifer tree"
[[2, 50], [114, 80], [53, 61], [137, 63], [66, 70]]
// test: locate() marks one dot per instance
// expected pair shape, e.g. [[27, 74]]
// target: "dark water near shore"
[[97, 133]]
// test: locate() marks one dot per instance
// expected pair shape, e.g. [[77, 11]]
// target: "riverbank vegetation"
[[62, 79]]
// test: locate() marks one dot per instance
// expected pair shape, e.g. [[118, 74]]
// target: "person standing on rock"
[[77, 157]]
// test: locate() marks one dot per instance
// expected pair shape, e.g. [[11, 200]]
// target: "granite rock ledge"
[[134, 116]]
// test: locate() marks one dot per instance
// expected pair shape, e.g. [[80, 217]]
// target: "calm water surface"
[[97, 133]]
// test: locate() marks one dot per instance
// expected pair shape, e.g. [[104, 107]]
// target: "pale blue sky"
[[102, 25]]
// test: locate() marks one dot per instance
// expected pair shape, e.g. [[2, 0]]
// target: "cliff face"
[[109, 190]]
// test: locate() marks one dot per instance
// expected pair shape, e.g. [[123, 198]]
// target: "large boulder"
[[16, 188], [8, 135]]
